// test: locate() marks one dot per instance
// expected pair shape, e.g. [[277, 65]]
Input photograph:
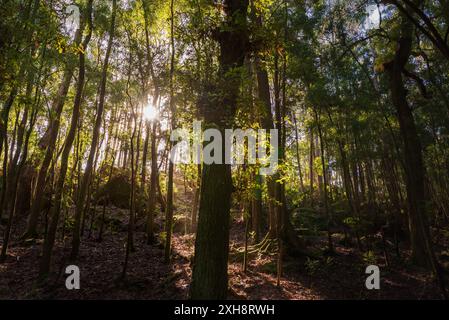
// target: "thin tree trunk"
[[130, 236], [55, 212], [93, 147], [196, 200], [169, 208], [311, 164], [154, 167], [153, 188], [298, 158], [12, 213], [49, 142], [325, 184], [106, 201]]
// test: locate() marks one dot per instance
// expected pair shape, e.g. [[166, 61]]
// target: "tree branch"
[[419, 82]]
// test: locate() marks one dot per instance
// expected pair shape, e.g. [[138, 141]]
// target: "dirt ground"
[[339, 276]]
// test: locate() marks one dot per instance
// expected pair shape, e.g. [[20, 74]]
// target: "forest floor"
[[340, 276], [337, 276]]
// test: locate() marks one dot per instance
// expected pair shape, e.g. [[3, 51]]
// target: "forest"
[[102, 100]]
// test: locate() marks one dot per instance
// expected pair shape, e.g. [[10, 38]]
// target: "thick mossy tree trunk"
[[209, 276]]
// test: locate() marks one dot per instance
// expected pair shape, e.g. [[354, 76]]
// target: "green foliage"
[[369, 257]]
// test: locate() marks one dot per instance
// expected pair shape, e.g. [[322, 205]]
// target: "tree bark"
[[209, 275], [196, 200], [49, 142], [15, 183], [416, 198], [298, 158], [325, 182], [169, 208], [55, 212], [81, 197]]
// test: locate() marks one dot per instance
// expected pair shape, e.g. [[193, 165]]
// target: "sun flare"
[[150, 113]]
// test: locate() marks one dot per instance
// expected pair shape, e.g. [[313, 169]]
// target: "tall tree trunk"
[[129, 239], [143, 174], [298, 158], [263, 92], [196, 200], [311, 165], [169, 208], [256, 207], [15, 198], [49, 143], [209, 275], [419, 232], [55, 212], [347, 181], [325, 182], [421, 244], [266, 120], [105, 202], [29, 18], [81, 197], [4, 141], [153, 188], [154, 167]]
